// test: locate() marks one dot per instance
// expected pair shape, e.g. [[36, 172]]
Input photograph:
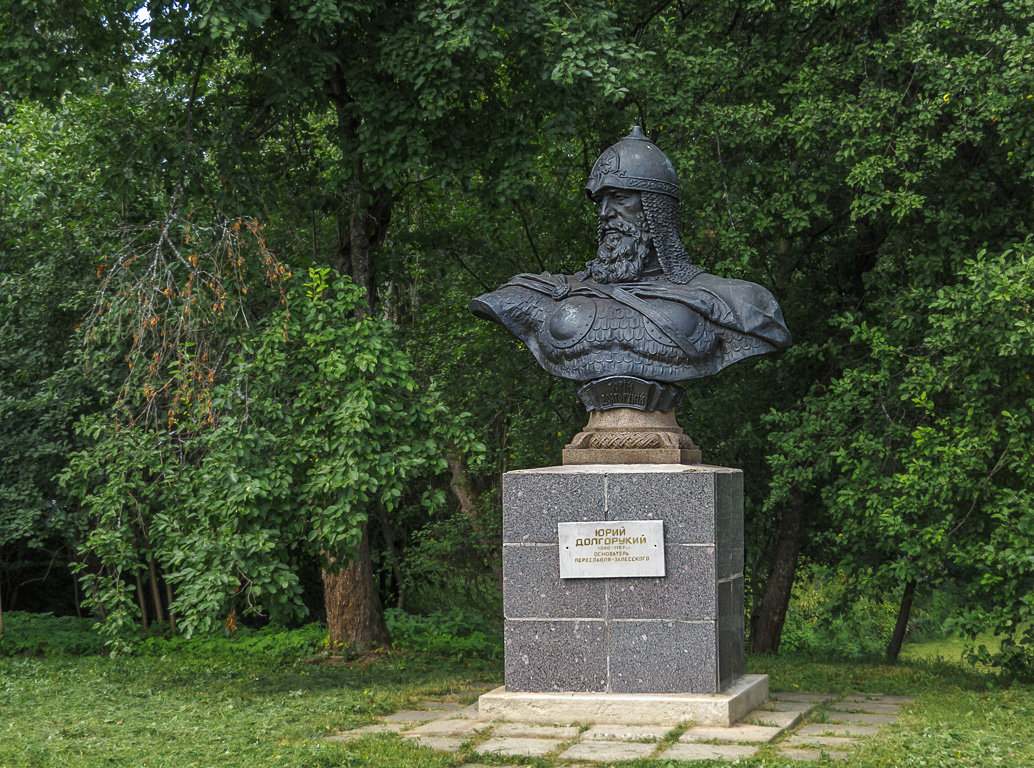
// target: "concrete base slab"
[[517, 747], [440, 743], [730, 752], [717, 709], [607, 751], [761, 734]]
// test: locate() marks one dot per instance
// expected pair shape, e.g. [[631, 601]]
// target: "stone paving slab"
[[820, 741], [806, 696], [811, 755], [535, 731], [441, 706], [866, 706], [626, 733], [737, 733], [782, 720], [607, 751], [367, 730], [441, 743], [447, 726], [707, 752], [774, 705], [862, 718], [517, 747], [465, 728], [413, 716], [880, 698], [832, 729]]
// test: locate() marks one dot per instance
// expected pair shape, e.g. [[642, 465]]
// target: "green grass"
[[182, 709], [174, 711]]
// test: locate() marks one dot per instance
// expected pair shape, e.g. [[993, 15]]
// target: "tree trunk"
[[766, 625], [904, 611], [140, 601], [168, 602], [393, 556], [354, 615], [359, 240], [467, 498]]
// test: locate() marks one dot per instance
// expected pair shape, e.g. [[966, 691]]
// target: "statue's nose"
[[606, 209]]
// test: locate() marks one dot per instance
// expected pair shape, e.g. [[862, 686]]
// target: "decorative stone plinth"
[[631, 436], [681, 633], [719, 710]]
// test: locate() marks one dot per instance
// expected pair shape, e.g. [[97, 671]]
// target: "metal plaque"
[[607, 550]]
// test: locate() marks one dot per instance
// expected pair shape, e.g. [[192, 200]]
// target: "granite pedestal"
[[681, 634]]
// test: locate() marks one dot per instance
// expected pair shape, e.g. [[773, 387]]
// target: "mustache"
[[619, 227]]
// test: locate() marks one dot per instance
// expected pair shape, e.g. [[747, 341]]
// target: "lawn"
[[184, 709]]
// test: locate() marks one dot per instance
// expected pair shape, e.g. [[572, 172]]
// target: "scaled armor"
[[658, 330]]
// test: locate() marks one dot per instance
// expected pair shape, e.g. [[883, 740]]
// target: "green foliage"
[[43, 634], [828, 618], [317, 418], [868, 164], [928, 444], [49, 47], [269, 645], [456, 633]]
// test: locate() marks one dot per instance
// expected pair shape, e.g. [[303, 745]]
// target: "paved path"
[[797, 725]]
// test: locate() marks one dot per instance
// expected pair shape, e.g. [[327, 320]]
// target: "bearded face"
[[624, 241]]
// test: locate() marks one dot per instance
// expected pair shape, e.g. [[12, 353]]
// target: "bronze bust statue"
[[640, 316]]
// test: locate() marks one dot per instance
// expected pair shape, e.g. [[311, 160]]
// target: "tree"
[[854, 160], [319, 417], [362, 75]]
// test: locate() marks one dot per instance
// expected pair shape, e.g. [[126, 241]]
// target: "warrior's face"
[[624, 241]]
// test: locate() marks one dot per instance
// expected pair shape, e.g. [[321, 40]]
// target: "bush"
[[44, 634], [827, 617], [450, 633], [39, 634], [274, 645]]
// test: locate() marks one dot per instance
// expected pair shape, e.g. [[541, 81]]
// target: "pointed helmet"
[[636, 163]]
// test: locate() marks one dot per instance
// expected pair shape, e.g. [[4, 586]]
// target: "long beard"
[[622, 254]]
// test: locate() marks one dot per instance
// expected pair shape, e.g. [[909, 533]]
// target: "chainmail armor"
[[662, 218]]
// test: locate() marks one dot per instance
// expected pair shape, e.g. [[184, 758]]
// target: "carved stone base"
[[629, 436]]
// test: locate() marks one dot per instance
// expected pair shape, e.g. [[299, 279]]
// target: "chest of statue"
[[590, 335]]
